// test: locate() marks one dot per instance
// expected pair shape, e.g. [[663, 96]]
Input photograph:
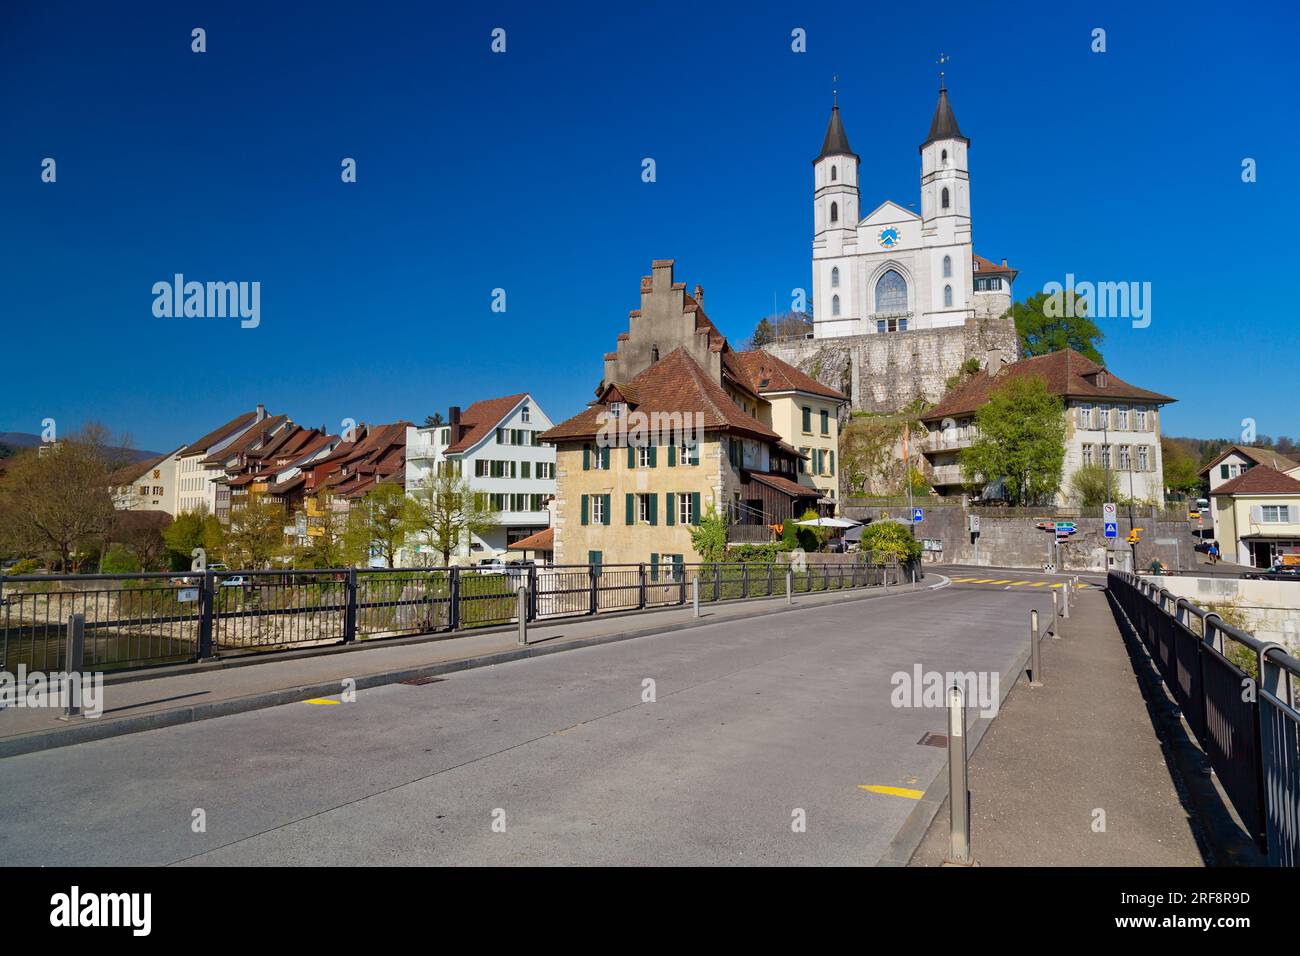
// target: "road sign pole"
[[958, 782], [1035, 668]]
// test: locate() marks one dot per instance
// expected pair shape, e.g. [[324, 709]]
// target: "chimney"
[[453, 419], [261, 412], [1004, 262], [699, 294]]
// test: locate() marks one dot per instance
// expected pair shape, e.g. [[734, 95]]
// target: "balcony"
[[947, 475]]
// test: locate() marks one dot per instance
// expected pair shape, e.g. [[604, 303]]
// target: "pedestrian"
[[1214, 552]]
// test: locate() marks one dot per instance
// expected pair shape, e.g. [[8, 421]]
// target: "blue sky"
[[522, 171]]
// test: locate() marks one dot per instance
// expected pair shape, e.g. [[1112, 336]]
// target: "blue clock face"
[[889, 237]]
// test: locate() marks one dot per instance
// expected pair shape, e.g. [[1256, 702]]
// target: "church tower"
[[945, 211], [835, 231]]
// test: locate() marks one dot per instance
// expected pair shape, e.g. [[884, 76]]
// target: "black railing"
[[148, 619], [1238, 696]]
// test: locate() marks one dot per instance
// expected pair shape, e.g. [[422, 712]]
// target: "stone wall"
[[1018, 542], [885, 373]]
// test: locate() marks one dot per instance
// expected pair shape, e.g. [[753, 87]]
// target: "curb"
[[93, 729]]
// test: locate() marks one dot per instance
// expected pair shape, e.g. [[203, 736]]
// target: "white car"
[[237, 581]]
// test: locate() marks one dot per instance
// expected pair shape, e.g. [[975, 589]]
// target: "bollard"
[[789, 585], [1055, 615], [76, 655], [958, 785], [521, 609], [1035, 674], [1065, 601], [695, 597]]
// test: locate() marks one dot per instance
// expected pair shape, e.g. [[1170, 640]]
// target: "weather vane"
[[835, 91], [943, 58]]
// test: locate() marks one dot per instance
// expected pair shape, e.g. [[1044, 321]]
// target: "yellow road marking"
[[962, 580], [981, 580], [893, 791], [1038, 584], [1018, 583], [323, 700], [1005, 581], [1057, 584]]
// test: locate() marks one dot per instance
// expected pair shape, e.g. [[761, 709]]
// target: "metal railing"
[[157, 618], [1238, 695]]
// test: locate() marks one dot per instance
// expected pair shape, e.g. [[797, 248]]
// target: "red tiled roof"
[[481, 418], [761, 372], [250, 438], [1066, 373], [543, 540], [674, 385], [987, 268], [1259, 480], [1261, 456], [201, 445], [128, 474]]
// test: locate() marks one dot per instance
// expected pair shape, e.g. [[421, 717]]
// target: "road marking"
[[981, 580], [1039, 584], [322, 700], [1057, 584], [1018, 583], [1004, 581], [893, 791]]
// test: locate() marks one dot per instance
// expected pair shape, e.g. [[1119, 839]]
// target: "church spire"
[[836, 142], [944, 124]]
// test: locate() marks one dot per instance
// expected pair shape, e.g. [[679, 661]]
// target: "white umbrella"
[[829, 523]]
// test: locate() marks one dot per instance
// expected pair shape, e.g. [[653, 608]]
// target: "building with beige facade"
[[681, 423], [1257, 517]]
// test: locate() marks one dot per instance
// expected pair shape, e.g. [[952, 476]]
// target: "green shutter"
[[695, 454], [654, 508], [586, 457], [670, 500], [604, 458], [672, 455], [832, 462], [605, 510], [631, 504], [653, 449], [631, 456], [584, 509], [695, 507], [654, 566]]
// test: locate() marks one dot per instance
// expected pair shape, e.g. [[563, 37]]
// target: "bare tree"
[[444, 509]]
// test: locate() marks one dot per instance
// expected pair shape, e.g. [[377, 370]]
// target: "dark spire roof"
[[944, 125], [836, 142]]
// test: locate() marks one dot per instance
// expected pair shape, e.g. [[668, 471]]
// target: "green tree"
[[811, 537], [190, 530], [255, 535], [709, 537], [1091, 486], [1049, 323], [764, 333], [1180, 469], [1021, 440], [434, 420], [378, 523], [328, 545], [890, 539], [445, 510]]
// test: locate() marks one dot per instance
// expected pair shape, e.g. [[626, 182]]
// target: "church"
[[895, 270]]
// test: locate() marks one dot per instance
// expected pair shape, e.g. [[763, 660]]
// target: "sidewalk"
[[1062, 760], [148, 700]]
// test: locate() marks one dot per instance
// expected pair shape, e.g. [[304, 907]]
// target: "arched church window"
[[944, 200], [834, 175], [835, 277], [835, 305], [835, 212], [947, 297], [654, 353], [944, 158], [891, 293], [947, 267]]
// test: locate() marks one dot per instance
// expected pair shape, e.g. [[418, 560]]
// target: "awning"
[[829, 523]]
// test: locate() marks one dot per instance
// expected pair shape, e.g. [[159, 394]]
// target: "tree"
[[61, 501], [142, 533], [1180, 469], [1091, 486], [788, 325], [1021, 440], [1049, 323], [328, 544], [190, 530], [255, 536], [890, 539], [709, 537], [764, 333], [434, 420], [444, 510], [378, 523]]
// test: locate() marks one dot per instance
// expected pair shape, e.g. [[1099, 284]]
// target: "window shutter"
[[631, 456], [695, 507], [695, 454], [653, 449], [605, 513], [669, 500], [584, 509], [654, 566], [1257, 513], [586, 458], [654, 508], [672, 455], [604, 458], [832, 462], [631, 504]]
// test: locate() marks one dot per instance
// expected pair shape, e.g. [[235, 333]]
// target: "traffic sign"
[[1108, 512], [918, 515], [1112, 529]]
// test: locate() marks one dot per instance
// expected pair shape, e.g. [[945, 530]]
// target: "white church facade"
[[895, 270]]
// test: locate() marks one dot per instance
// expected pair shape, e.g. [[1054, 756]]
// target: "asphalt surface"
[[753, 721]]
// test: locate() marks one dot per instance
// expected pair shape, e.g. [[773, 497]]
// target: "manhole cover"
[[934, 740], [421, 681]]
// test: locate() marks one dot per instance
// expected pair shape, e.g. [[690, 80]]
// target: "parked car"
[[490, 566], [235, 581]]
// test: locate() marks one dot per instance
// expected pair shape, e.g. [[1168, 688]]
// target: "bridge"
[[795, 726]]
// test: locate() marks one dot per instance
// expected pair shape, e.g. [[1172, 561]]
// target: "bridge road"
[[752, 720]]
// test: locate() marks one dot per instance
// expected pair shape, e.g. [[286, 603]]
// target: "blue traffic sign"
[[1112, 529], [918, 514]]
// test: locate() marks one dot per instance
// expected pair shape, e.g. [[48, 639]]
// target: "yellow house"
[[683, 422], [1257, 516]]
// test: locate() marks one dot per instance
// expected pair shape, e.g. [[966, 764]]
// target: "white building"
[[494, 445], [895, 269], [147, 485], [196, 475], [1233, 462]]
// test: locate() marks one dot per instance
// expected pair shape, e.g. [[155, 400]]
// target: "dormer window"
[[615, 409], [1101, 379]]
